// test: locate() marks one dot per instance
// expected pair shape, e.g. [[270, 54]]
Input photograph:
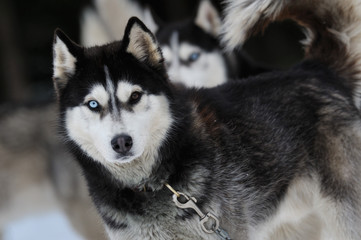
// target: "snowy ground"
[[52, 225]]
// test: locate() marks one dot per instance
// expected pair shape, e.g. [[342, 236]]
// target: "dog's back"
[[333, 37]]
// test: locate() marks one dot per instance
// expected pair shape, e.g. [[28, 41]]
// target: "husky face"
[[193, 65], [116, 113], [191, 50], [118, 123]]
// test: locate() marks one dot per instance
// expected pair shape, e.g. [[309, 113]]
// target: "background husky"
[[275, 156], [191, 49]]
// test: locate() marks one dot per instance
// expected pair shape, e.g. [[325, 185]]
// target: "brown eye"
[[135, 97]]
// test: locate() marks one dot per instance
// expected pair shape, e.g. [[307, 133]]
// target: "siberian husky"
[[192, 52], [276, 156], [39, 190]]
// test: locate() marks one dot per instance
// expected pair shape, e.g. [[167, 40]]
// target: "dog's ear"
[[140, 42], [65, 56], [208, 18]]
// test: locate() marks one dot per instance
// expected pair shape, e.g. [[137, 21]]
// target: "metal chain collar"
[[190, 202]]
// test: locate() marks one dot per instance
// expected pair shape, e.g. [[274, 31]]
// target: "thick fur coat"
[[276, 156]]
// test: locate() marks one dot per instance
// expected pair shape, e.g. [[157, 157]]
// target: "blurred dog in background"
[[193, 54]]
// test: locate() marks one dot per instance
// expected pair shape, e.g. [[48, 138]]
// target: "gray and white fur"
[[275, 156]]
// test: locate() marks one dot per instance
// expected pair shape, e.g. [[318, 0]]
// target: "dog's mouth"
[[125, 158]]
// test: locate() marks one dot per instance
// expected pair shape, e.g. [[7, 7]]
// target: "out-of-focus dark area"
[[26, 30]]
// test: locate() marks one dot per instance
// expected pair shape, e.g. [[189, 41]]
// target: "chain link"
[[222, 234]]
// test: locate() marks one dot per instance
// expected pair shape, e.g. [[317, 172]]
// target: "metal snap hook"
[[190, 202], [209, 217]]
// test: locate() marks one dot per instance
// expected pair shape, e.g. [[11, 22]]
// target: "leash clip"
[[204, 218], [190, 202]]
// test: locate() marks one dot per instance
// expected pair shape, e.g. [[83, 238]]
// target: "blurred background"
[[34, 166]]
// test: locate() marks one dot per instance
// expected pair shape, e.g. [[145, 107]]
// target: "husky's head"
[[191, 50], [114, 100]]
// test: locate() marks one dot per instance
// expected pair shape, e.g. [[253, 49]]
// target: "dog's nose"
[[122, 143]]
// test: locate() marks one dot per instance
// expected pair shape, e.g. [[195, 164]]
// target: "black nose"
[[122, 143]]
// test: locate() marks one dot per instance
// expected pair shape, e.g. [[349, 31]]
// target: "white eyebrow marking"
[[98, 93], [111, 89], [186, 49], [167, 53], [174, 44], [125, 89]]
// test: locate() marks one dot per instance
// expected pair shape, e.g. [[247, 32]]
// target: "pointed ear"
[[208, 18], [141, 43], [65, 54]]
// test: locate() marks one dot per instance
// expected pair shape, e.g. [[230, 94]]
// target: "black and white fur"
[[194, 56], [191, 50], [275, 156]]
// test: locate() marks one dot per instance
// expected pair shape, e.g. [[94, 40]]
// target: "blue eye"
[[194, 56], [93, 105]]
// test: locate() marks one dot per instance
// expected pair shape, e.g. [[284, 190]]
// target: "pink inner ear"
[[208, 18]]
